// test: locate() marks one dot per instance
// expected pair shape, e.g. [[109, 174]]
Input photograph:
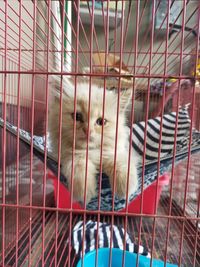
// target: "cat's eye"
[[101, 121], [78, 116]]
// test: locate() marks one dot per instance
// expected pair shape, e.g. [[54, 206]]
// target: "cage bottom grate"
[[48, 251]]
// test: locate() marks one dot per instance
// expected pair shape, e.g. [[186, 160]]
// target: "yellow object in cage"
[[197, 73]]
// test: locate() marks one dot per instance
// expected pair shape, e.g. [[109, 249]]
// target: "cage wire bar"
[[40, 40]]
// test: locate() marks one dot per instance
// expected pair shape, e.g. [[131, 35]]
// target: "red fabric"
[[64, 200], [150, 202], [149, 196]]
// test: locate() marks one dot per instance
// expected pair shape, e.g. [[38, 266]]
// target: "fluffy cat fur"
[[94, 136]]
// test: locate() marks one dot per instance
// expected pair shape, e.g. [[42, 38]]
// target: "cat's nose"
[[87, 131]]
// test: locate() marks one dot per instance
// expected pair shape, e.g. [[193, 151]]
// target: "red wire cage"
[[122, 44]]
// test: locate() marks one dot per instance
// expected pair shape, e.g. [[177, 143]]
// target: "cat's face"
[[89, 123]]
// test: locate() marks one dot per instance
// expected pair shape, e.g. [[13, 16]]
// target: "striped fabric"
[[104, 233], [154, 132]]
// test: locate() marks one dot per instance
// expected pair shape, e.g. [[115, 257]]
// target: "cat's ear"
[[125, 97], [56, 85]]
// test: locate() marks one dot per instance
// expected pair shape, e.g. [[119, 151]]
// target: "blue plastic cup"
[[117, 258]]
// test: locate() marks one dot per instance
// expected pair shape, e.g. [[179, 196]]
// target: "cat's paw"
[[121, 181], [79, 188], [133, 180]]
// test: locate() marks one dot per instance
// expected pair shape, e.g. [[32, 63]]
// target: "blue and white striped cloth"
[[91, 236], [155, 131]]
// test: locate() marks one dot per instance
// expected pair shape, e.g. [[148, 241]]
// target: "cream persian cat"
[[90, 128]]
